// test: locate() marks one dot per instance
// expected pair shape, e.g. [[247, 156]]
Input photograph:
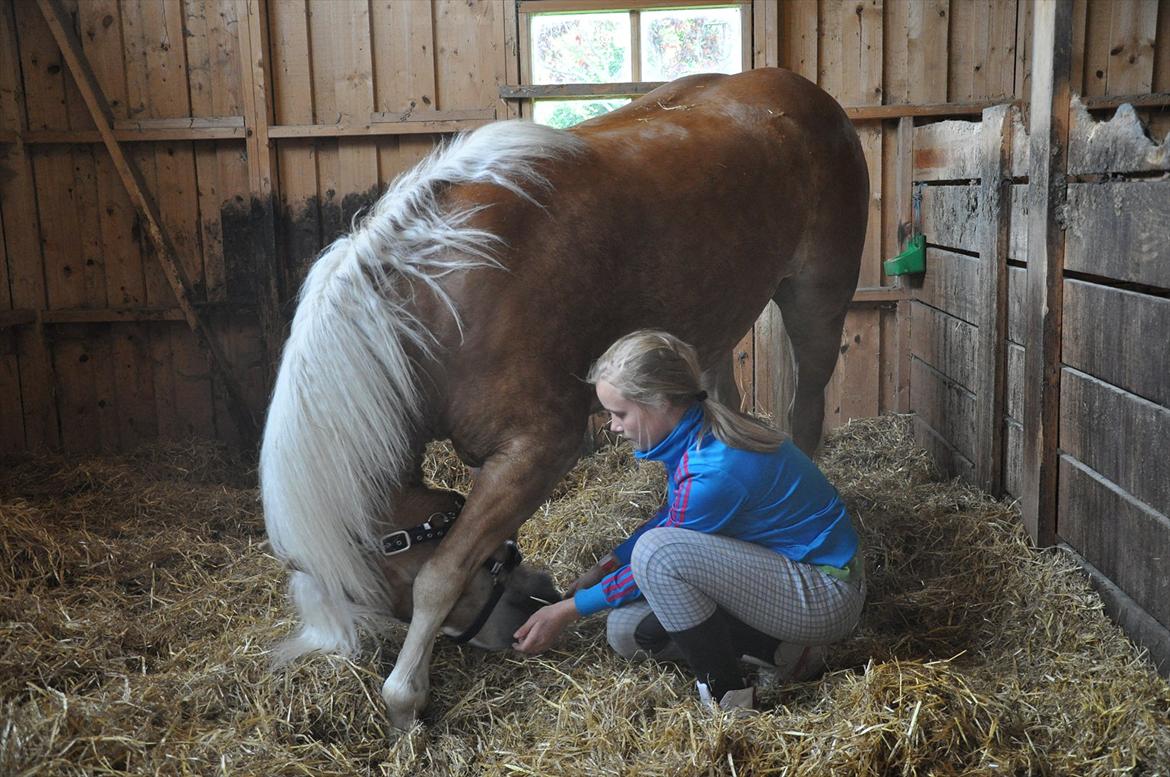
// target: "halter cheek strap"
[[433, 530]]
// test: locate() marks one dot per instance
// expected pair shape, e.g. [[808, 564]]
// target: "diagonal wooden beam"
[[99, 109]]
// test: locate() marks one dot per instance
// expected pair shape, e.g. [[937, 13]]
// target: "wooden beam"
[[617, 89], [374, 128], [254, 72], [65, 37], [904, 203], [994, 237], [1047, 195]]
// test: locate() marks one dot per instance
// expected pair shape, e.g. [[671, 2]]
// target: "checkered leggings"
[[685, 575]]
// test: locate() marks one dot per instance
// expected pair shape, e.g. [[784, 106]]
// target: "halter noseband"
[[433, 530]]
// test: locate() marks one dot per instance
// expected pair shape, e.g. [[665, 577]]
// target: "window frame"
[[528, 93]]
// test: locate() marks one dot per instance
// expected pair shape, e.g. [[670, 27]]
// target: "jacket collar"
[[670, 450]]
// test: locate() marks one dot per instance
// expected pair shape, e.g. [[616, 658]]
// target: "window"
[[584, 59]]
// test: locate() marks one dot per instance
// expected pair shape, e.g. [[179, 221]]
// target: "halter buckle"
[[395, 542]]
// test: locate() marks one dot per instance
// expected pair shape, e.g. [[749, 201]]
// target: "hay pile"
[[136, 602]]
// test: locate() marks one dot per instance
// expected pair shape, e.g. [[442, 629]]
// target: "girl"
[[752, 556]]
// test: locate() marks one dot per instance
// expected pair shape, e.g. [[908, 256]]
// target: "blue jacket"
[[780, 500]]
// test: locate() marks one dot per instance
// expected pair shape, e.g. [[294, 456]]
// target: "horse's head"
[[502, 592]]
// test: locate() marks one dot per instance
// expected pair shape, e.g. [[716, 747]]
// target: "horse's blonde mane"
[[346, 402]]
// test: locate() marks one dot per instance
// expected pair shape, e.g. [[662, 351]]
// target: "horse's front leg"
[[509, 488]]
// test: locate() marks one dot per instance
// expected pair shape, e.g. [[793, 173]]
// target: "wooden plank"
[[255, 81], [994, 235], [798, 28], [1096, 47], [999, 66], [352, 60], [951, 283], [1138, 625], [905, 228], [1014, 383], [743, 364], [292, 95], [950, 216], [928, 42], [1119, 145], [1124, 538], [1017, 324], [945, 343], [1118, 434], [946, 150], [1018, 242], [1013, 454], [853, 390], [18, 211], [829, 55], [512, 52], [950, 462], [946, 406], [67, 41], [774, 376], [406, 82], [1131, 46], [1118, 230], [1046, 197], [1023, 74], [1118, 336], [966, 50], [1021, 144]]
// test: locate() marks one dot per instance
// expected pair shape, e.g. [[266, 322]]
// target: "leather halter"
[[433, 530]]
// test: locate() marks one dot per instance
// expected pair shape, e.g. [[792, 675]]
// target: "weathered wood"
[[1143, 629], [1125, 539], [70, 47], [904, 202], [949, 461], [950, 216], [774, 379], [1046, 197], [994, 235], [945, 343], [1018, 243], [951, 283], [1119, 230], [1017, 289], [853, 391], [946, 406], [946, 151], [1118, 336], [1014, 383], [1119, 145], [1013, 454], [1021, 144], [1118, 434]]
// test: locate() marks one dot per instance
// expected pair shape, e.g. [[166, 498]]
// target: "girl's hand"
[[546, 624], [593, 576]]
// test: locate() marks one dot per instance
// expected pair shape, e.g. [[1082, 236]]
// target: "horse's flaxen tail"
[[346, 404], [337, 430]]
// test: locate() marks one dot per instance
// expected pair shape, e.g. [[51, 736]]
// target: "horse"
[[470, 301]]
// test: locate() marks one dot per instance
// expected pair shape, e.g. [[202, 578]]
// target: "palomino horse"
[[472, 299]]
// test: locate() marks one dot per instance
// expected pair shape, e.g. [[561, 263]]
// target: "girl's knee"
[[650, 548]]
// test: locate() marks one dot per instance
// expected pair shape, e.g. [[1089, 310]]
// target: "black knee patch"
[[650, 635]]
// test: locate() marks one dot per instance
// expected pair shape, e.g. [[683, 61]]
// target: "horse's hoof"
[[404, 702]]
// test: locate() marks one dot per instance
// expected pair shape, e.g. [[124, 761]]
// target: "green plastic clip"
[[912, 260]]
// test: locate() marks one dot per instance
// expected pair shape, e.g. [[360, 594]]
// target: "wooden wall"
[[259, 127], [1039, 335]]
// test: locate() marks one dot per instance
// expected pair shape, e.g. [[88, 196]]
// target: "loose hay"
[[138, 600]]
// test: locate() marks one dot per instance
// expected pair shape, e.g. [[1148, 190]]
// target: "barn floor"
[[137, 600]]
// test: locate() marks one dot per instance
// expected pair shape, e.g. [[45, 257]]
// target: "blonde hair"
[[656, 368]]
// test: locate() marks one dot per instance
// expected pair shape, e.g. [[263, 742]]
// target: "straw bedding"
[[137, 602]]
